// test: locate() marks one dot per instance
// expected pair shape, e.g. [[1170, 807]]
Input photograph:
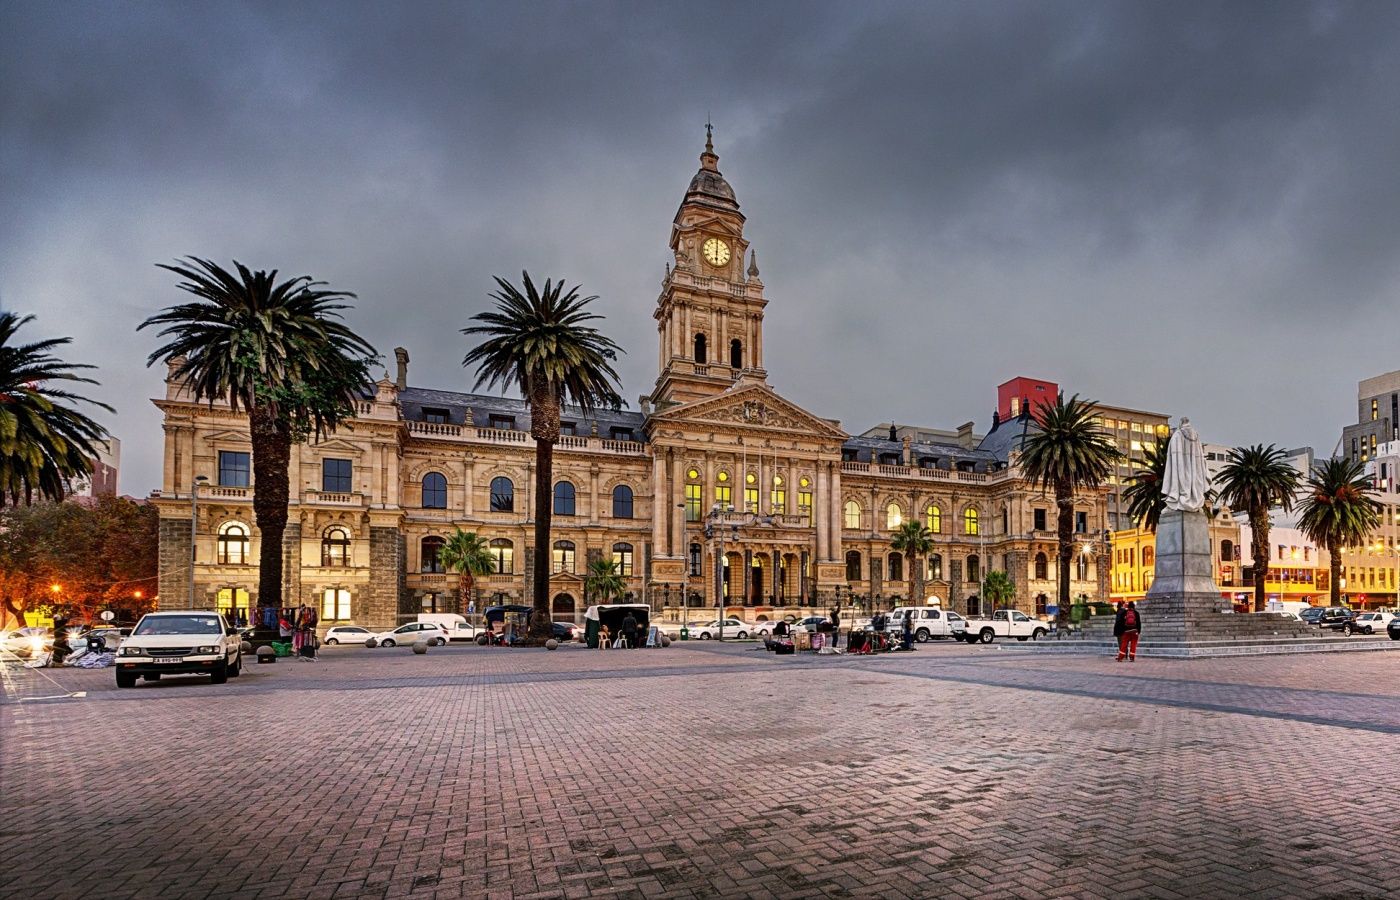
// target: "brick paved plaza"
[[707, 770]]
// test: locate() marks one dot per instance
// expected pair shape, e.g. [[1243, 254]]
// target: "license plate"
[[169, 659]]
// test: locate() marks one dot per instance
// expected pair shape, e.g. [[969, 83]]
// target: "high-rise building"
[[106, 466], [1377, 418]]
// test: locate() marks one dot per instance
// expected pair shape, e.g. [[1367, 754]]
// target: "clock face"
[[716, 252]]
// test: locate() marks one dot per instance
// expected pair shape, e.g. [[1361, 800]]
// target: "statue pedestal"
[[1183, 590]]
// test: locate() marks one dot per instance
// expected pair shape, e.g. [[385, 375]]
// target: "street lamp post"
[[194, 528], [714, 529]]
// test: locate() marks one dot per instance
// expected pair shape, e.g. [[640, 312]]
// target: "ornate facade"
[[716, 487]]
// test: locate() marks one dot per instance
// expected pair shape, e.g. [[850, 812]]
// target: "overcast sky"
[[1185, 208]]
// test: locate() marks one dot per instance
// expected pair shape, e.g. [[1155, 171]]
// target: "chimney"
[[401, 355], [894, 436], [965, 435]]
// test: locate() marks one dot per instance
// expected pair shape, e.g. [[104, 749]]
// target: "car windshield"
[[178, 625]]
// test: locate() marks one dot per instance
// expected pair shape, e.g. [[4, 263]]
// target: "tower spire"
[[709, 159]]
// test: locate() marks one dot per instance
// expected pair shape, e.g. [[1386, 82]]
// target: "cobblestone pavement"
[[707, 770]]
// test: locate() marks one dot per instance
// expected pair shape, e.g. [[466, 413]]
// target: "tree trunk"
[[1064, 521], [468, 591], [916, 579], [1334, 562], [1259, 530], [544, 427], [272, 452]]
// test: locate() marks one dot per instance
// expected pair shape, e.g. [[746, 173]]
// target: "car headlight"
[[132, 651], [206, 649]]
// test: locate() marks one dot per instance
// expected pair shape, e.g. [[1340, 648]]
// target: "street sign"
[[108, 615]]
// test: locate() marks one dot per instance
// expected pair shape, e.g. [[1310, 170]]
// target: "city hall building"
[[717, 485]]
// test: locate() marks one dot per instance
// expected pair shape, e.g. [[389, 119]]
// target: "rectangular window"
[[622, 555], [1375, 409], [1081, 522], [751, 499], [502, 423], [435, 416], [335, 604], [568, 428], [778, 501], [724, 496], [695, 561], [694, 496], [621, 434], [1039, 520], [335, 476], [563, 559], [233, 468], [804, 507]]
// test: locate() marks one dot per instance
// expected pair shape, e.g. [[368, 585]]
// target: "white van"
[[457, 627], [929, 621], [1292, 608]]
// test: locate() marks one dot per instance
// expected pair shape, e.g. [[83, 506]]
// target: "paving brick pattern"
[[707, 771]]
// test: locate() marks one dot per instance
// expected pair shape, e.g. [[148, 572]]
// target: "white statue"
[[1184, 485]]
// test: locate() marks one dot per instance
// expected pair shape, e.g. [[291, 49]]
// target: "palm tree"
[[539, 343], [1144, 491], [276, 351], [1069, 452], [1339, 511], [914, 540], [468, 555], [1255, 479], [603, 580], [998, 588], [44, 441]]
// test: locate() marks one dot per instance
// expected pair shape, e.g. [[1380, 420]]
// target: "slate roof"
[[947, 456], [1008, 436], [413, 399]]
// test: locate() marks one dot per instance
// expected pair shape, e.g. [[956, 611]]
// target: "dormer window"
[[568, 428], [435, 416], [850, 456], [621, 434], [502, 423]]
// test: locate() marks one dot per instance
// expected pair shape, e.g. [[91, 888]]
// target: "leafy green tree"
[[277, 351], [1254, 479], [1068, 453], [1339, 511], [539, 342], [998, 588], [469, 555], [603, 582], [915, 541], [44, 441]]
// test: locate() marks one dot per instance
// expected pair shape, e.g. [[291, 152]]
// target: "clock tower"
[[710, 313]]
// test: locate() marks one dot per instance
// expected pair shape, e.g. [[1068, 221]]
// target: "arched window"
[[935, 567], [1042, 566], [974, 568], [896, 567], [503, 555], [1081, 567], [853, 565], [564, 499], [1227, 551], [894, 516], [694, 495], [434, 491], [852, 514], [335, 547], [970, 521], [700, 348], [1147, 556], [622, 555], [563, 557], [502, 494], [429, 548], [933, 517], [233, 544], [736, 353], [622, 502], [1040, 601], [695, 561]]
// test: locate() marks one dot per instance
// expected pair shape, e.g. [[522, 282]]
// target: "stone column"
[[837, 513], [291, 564], [468, 484], [676, 547], [821, 512], [658, 503], [804, 580], [593, 472], [381, 599], [174, 555], [748, 576]]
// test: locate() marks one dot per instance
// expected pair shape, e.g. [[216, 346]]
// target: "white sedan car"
[[765, 629], [733, 628], [411, 633], [1369, 623], [347, 634]]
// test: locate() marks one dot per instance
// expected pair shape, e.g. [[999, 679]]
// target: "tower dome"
[[708, 187]]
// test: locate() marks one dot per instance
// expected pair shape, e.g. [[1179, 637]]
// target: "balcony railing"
[[892, 471], [226, 493], [335, 498], [475, 435]]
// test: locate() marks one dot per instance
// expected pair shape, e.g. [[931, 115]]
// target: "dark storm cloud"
[[1188, 208]]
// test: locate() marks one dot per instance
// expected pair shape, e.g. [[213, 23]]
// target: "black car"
[[564, 631], [1335, 617], [1311, 615], [1393, 629]]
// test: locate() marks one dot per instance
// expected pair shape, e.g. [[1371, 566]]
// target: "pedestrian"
[[629, 630], [835, 625], [1127, 627], [908, 629]]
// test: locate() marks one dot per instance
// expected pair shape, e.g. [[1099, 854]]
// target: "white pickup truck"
[[927, 623], [1005, 623]]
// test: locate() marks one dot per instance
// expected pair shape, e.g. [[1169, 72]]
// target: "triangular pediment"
[[336, 445], [714, 224], [752, 405], [229, 436]]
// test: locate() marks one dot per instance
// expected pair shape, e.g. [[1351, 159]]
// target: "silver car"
[[410, 634]]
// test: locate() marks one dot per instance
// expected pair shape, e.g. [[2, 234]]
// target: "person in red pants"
[[1127, 626]]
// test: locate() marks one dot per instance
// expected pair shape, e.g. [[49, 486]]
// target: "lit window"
[[778, 498], [970, 523], [852, 514], [694, 496], [563, 557], [935, 567], [335, 547], [724, 495], [804, 506], [233, 544], [335, 604], [503, 556], [894, 516], [751, 494], [622, 555], [934, 519], [722, 477]]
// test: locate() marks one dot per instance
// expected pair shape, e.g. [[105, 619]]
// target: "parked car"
[[1393, 629], [1003, 623], [411, 633], [1335, 617], [929, 622], [175, 642], [1312, 614], [765, 629], [347, 634], [733, 628], [566, 631], [26, 642], [809, 623], [457, 627], [1368, 623]]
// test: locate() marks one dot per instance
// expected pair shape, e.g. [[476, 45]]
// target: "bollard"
[[266, 654], [551, 644], [420, 647]]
